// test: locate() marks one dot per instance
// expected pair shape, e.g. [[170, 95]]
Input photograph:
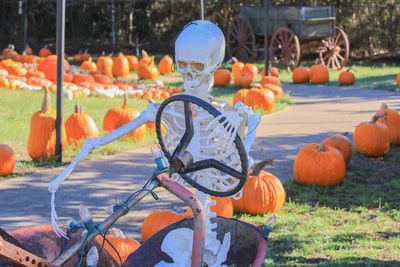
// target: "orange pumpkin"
[[103, 79], [301, 75], [160, 219], [243, 80], [259, 98], [319, 73], [372, 138], [7, 160], [346, 77], [28, 51], [121, 247], [42, 134], [117, 117], [222, 77], [236, 67], [262, 193], [146, 59], [240, 96], [223, 206], [275, 89], [319, 164], [120, 66], [105, 65], [341, 143], [165, 65], [78, 57], [34, 73], [89, 65], [392, 121], [148, 71], [250, 69], [270, 80], [85, 56], [398, 80], [80, 78], [49, 67], [273, 71], [44, 52], [133, 62], [80, 126]]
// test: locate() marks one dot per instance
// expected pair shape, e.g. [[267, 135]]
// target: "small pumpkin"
[[270, 80], [89, 65], [341, 143], [398, 80], [273, 71], [105, 65], [146, 59], [250, 69], [85, 56], [301, 75], [262, 193], [133, 62], [243, 80], [165, 65], [103, 79], [120, 66], [240, 96], [236, 67], [372, 138], [117, 117], [28, 51], [44, 52], [78, 57], [7, 160], [346, 77], [121, 247], [319, 164], [275, 89], [49, 67], [223, 207], [42, 133], [222, 77], [392, 121], [260, 98], [81, 78], [319, 73], [148, 71], [160, 219], [80, 126]]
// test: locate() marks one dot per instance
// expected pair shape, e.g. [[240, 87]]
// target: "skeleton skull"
[[199, 51]]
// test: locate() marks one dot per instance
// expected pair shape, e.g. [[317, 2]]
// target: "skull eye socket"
[[182, 64], [197, 66]]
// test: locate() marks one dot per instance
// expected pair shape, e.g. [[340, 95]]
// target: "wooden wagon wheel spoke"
[[241, 39], [285, 48], [335, 52]]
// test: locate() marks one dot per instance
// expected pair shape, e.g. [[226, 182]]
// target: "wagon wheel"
[[284, 48], [241, 39], [335, 50]]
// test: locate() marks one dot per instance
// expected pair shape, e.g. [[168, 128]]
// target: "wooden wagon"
[[293, 31]]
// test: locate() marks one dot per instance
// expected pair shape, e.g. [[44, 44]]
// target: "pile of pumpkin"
[[97, 78], [319, 74], [324, 164], [261, 95], [262, 193]]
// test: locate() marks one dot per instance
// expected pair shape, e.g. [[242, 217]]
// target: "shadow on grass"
[[369, 182]]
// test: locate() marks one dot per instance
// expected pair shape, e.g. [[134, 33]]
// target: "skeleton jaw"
[[200, 87]]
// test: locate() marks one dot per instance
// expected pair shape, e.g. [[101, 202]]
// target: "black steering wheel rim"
[[186, 138]]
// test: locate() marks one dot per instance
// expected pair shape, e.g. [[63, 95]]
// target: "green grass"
[[356, 223]]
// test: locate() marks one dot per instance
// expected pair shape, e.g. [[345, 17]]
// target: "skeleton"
[[200, 49]]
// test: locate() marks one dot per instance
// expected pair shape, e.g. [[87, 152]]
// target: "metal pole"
[[113, 24], [60, 75], [202, 9], [266, 43], [25, 24]]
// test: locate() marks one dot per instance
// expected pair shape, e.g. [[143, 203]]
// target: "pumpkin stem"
[[235, 60], [78, 108], [125, 104], [46, 100], [144, 53], [376, 117], [261, 165], [322, 147], [384, 106]]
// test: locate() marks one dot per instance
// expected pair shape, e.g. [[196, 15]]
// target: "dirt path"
[[317, 112]]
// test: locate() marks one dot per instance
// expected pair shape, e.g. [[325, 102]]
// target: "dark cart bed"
[[293, 31]]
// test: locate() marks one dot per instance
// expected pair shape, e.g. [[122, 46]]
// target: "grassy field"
[[354, 224]]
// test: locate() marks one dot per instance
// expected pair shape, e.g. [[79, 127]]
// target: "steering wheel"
[[180, 159]]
